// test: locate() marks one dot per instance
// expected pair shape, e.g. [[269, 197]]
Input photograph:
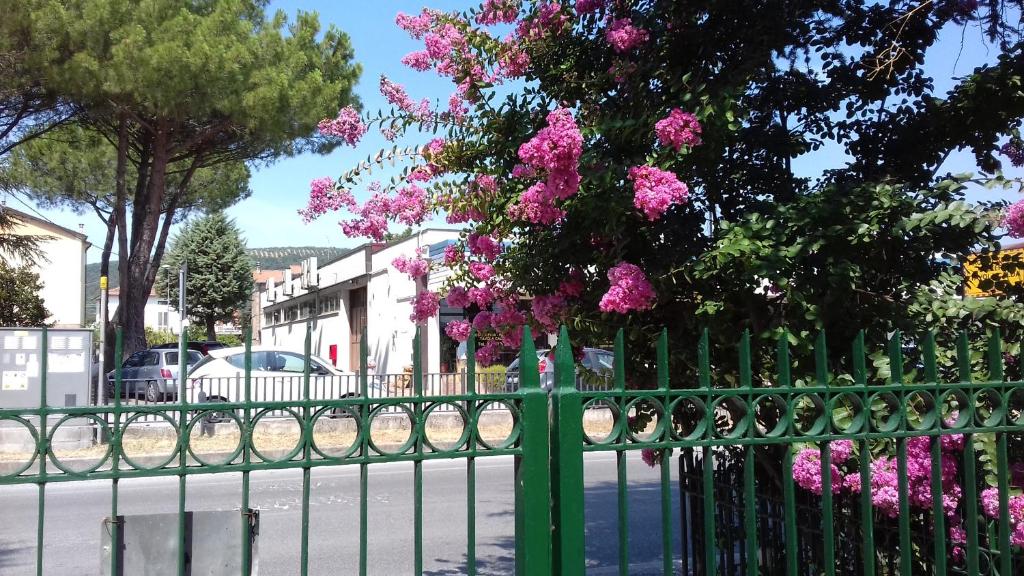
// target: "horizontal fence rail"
[[765, 472]]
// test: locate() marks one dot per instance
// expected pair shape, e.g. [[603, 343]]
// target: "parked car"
[[277, 375], [597, 369], [151, 374], [201, 346]]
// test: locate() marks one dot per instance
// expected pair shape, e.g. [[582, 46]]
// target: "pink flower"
[[1014, 153], [623, 36], [484, 246], [416, 26], [489, 353], [549, 20], [458, 330], [629, 290], [482, 321], [457, 297], [548, 310], [1014, 219], [482, 296], [324, 197], [588, 6], [452, 255], [536, 205], [678, 129], [419, 60], [481, 271], [513, 61], [424, 306], [347, 126], [414, 267], [409, 206], [807, 472], [556, 149], [498, 12], [573, 287], [656, 190]]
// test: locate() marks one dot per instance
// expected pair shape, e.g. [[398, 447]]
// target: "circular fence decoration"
[[336, 432], [17, 454], [215, 437]]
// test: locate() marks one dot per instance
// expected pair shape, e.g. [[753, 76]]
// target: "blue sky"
[[268, 217]]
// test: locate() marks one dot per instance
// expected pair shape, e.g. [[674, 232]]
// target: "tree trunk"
[[211, 328], [116, 226], [137, 283]]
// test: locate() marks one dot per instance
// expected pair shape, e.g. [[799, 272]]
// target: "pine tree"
[[20, 302], [219, 280]]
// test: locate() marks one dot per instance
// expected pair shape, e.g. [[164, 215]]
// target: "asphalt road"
[[74, 512]]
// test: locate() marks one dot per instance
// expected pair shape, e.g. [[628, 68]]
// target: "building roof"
[[19, 215], [261, 276]]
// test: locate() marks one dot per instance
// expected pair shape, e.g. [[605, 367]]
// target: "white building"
[[61, 267], [361, 289], [158, 315]]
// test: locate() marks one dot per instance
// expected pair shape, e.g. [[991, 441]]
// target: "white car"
[[277, 375]]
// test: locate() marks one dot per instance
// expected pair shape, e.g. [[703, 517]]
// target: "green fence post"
[[364, 447], [995, 375], [247, 518], [827, 523], [532, 470], [619, 375], [749, 462], [963, 356], [860, 378], [785, 383], [708, 455], [896, 377], [305, 433], [472, 420], [567, 463], [42, 448], [418, 429]]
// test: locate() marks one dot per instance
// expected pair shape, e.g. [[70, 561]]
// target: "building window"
[[291, 314], [161, 320]]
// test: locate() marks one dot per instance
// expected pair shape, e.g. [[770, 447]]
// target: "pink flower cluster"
[[990, 506], [588, 6], [481, 271], [548, 310], [678, 129], [396, 95], [656, 190], [630, 290], [885, 480], [550, 20], [1014, 219], [453, 255], [489, 353], [425, 306], [417, 25], [348, 126], [458, 330], [414, 267], [556, 150], [1014, 153], [498, 12], [325, 197], [484, 246], [624, 36]]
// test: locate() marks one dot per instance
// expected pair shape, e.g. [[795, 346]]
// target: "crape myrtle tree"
[[178, 86], [630, 165], [219, 280]]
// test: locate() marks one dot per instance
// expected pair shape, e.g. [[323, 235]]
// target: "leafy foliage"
[[20, 302]]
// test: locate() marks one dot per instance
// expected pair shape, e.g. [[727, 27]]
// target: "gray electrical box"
[[213, 544], [68, 367]]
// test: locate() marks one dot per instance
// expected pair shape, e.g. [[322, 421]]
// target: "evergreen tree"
[[20, 302], [219, 280]]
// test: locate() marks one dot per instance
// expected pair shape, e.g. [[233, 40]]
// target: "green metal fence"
[[742, 511]]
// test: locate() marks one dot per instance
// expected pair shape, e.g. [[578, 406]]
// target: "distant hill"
[[266, 258]]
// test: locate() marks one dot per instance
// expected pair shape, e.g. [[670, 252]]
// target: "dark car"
[[597, 370], [202, 346]]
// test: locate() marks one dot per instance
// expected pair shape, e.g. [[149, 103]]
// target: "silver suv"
[[151, 374]]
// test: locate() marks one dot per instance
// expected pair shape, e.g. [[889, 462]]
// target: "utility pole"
[[101, 374], [182, 329]]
